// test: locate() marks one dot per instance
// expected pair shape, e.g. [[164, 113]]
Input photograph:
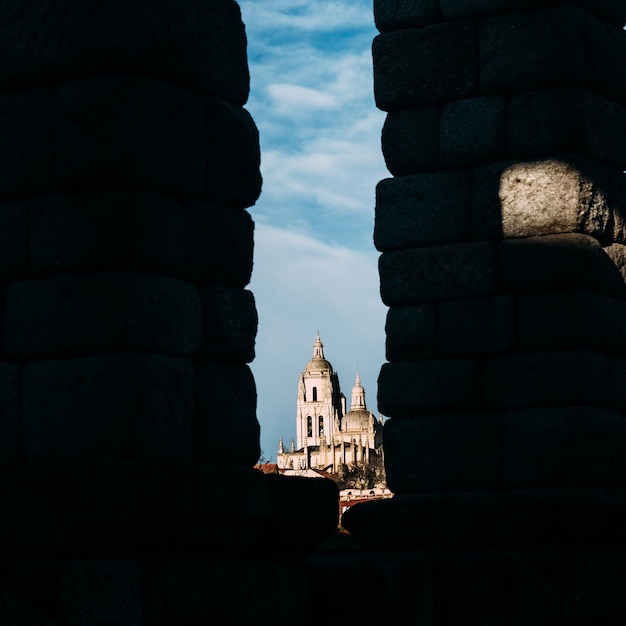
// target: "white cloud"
[[289, 99]]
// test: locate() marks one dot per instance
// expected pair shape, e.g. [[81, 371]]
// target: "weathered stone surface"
[[99, 313], [226, 429], [532, 50], [480, 325], [393, 14], [17, 612], [101, 592], [131, 131], [199, 44], [218, 245], [423, 66], [465, 8], [616, 252], [571, 319], [27, 159], [618, 376], [422, 210], [14, 239], [421, 387], [569, 446], [547, 379], [129, 230], [441, 272], [126, 406], [559, 262], [544, 197], [234, 156], [411, 332], [565, 120], [445, 452], [11, 450], [229, 321], [473, 130], [410, 140]]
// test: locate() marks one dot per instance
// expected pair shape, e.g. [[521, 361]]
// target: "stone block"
[[218, 245], [229, 322], [571, 319], [226, 429], [455, 9], [131, 132], [199, 44], [473, 130], [410, 140], [450, 452], [411, 332], [413, 67], [27, 159], [395, 14], [545, 379], [11, 448], [618, 381], [575, 446], [14, 242], [568, 119], [422, 210], [543, 197], [125, 406], [234, 156], [480, 325], [100, 313], [532, 50], [616, 252], [560, 262], [422, 387], [440, 272], [109, 230]]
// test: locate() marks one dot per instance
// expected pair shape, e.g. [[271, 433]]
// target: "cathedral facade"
[[327, 436]]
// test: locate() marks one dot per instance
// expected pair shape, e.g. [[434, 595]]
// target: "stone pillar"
[[502, 239], [127, 409]]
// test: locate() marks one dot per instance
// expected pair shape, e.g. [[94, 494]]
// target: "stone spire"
[[318, 347], [358, 394]]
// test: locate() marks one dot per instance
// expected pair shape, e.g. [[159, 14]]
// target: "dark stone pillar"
[[502, 240], [127, 409]]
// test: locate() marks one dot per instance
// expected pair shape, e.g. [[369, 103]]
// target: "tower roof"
[[318, 363]]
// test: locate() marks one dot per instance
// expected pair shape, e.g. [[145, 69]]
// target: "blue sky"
[[315, 262]]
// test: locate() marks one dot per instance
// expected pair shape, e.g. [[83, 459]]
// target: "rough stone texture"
[[448, 452], [565, 120], [411, 332], [559, 262], [125, 230], [109, 407], [201, 44], [421, 387], [423, 66], [390, 15], [17, 612], [464, 8], [571, 319], [473, 130], [101, 592], [616, 252], [131, 131], [410, 140], [229, 321], [234, 156], [98, 313], [422, 210], [442, 272], [542, 197], [570, 446], [14, 225], [480, 325], [618, 375], [226, 429], [546, 379], [11, 451], [27, 157], [218, 245]]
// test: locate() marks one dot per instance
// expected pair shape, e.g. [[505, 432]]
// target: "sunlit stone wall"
[[502, 236]]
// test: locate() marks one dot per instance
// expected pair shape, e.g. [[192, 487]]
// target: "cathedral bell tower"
[[319, 403]]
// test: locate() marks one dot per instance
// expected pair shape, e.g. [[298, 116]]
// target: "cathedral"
[[327, 436]]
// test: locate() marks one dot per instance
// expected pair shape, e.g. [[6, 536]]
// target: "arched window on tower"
[[309, 426], [321, 426], [314, 394]]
